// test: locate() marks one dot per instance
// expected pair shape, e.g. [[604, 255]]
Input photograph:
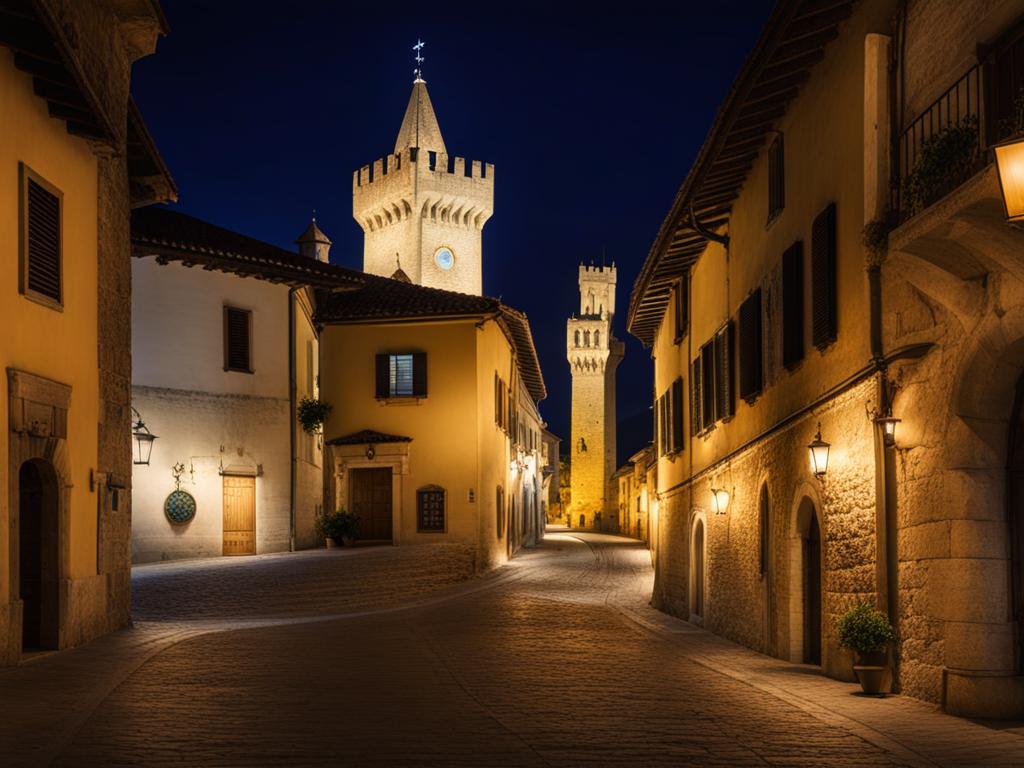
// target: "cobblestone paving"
[[553, 661]]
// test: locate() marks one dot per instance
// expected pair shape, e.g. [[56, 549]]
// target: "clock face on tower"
[[444, 257]]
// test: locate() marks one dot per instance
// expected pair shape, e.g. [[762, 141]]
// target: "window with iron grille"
[[41, 239], [401, 375], [776, 178], [237, 340], [430, 509], [823, 278]]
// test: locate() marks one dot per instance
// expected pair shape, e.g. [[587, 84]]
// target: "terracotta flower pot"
[[871, 678], [331, 543]]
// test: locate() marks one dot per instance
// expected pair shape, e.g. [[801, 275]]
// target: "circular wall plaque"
[[180, 507]]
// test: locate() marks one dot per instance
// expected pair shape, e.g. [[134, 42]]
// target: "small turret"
[[314, 243]]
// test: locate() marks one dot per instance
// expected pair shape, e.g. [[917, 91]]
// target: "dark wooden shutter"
[[237, 342], [793, 305], [419, 374], [725, 387], [43, 250], [677, 414], [707, 385], [383, 376], [750, 347], [662, 426], [680, 308], [776, 178], [695, 397], [823, 277]]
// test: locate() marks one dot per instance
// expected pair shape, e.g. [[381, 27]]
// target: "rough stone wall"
[[766, 613]]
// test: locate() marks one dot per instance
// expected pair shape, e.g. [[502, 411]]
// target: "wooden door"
[[370, 499], [239, 515], [812, 594]]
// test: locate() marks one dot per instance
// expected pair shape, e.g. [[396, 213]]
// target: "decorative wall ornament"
[[180, 506]]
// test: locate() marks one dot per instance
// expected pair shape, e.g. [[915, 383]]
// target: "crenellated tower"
[[594, 354], [424, 206]]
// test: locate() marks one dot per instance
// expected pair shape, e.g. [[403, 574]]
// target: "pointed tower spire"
[[419, 127]]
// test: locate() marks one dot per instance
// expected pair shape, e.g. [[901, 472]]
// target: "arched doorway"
[[812, 590], [765, 570], [38, 555], [1015, 516], [697, 571]]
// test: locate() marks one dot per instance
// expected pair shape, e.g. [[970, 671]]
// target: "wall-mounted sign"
[[180, 507]]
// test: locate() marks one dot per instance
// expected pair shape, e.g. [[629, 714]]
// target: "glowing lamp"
[[143, 441], [888, 424], [719, 500], [1010, 165], [818, 450]]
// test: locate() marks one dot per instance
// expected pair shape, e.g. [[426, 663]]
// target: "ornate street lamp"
[[888, 424], [719, 501], [143, 440], [1010, 165], [818, 449]]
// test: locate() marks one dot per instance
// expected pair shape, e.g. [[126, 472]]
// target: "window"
[[402, 375], [676, 408], [776, 179], [500, 406], [237, 340], [725, 389], [430, 509], [696, 399], [750, 348], [680, 308], [793, 305], [707, 385], [41, 240], [823, 278], [662, 407]]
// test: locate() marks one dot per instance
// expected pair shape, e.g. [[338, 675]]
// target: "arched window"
[[577, 338], [586, 338], [597, 338], [697, 570]]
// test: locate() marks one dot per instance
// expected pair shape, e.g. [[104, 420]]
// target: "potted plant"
[[312, 413], [341, 527], [866, 631]]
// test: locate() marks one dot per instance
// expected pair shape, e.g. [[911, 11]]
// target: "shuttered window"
[[237, 340], [823, 278], [430, 509], [793, 305], [663, 425], [707, 385], [680, 308], [695, 397], [776, 178], [401, 375], [751, 347], [677, 415], [725, 386], [41, 246]]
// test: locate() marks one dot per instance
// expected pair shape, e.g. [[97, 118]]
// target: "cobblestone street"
[[393, 656]]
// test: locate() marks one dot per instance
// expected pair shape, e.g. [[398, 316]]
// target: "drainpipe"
[[291, 416]]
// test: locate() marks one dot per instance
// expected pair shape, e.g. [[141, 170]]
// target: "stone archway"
[[698, 568], [805, 577]]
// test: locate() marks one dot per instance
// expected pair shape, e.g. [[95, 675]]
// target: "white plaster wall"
[[204, 431], [178, 330]]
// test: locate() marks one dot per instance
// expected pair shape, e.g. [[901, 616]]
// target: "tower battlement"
[[590, 272]]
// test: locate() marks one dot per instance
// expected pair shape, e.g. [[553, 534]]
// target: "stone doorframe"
[[38, 409], [372, 456], [799, 526], [697, 515]]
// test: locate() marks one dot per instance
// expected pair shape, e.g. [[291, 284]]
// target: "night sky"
[[592, 118]]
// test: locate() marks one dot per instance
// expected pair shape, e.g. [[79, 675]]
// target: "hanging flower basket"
[[312, 414]]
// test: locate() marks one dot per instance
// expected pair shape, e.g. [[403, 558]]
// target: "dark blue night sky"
[[264, 110]]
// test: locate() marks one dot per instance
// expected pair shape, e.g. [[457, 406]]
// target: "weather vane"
[[419, 59]]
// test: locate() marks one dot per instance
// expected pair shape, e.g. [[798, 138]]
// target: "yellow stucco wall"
[[59, 345]]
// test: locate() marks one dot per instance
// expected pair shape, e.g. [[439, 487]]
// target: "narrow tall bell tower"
[[424, 206], [594, 353]]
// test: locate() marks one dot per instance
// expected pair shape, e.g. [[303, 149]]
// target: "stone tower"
[[314, 243], [594, 354], [424, 207]]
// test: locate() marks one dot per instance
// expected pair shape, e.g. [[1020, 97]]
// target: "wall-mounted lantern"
[[143, 440], [1010, 165], [888, 425], [719, 501], [818, 450]]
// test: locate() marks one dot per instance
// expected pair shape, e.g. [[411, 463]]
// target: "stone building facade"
[[421, 210], [75, 156], [594, 355], [812, 284]]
